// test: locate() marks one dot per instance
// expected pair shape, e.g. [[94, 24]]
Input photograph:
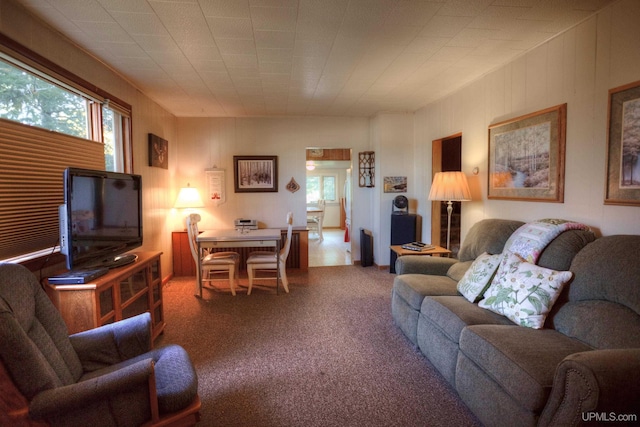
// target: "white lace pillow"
[[524, 292], [478, 277]]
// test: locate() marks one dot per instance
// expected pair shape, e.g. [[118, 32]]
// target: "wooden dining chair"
[[268, 261], [227, 262]]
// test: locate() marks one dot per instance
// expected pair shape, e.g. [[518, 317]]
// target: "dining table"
[[316, 213], [236, 238]]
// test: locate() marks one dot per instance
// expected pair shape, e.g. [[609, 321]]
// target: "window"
[[31, 100], [50, 119], [117, 141], [321, 187]]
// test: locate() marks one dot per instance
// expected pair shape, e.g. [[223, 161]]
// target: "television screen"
[[101, 218]]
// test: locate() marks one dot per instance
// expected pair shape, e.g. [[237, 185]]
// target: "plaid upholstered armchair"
[[108, 376]]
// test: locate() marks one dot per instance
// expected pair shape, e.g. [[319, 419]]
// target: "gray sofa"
[[584, 363]]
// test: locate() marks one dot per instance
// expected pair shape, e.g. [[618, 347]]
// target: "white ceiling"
[[306, 57]]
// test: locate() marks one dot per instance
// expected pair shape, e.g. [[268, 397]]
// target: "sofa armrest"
[[61, 400], [594, 383], [420, 264], [113, 343]]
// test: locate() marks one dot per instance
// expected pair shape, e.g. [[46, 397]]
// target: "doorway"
[[328, 178], [446, 157]]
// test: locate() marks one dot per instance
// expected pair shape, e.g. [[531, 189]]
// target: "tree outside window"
[[321, 187]]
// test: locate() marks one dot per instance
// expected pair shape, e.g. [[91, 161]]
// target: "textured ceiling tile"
[[464, 7], [275, 55], [413, 12], [240, 61], [82, 10], [236, 46], [140, 23], [275, 39], [274, 18], [105, 31], [135, 6], [230, 28], [445, 26], [225, 8]]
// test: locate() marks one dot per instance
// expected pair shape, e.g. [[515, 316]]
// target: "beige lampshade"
[[450, 186], [188, 197]]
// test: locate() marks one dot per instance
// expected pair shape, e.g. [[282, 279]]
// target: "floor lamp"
[[449, 187]]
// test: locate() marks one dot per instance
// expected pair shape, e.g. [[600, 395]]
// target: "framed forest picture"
[[623, 146], [527, 157]]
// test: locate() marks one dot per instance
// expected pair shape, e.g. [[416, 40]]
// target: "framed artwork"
[[395, 184], [526, 157], [158, 152], [216, 183], [255, 174], [623, 146]]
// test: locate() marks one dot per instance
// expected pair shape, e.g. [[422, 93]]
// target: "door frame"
[[436, 166]]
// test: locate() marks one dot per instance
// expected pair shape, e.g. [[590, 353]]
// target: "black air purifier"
[[366, 248]]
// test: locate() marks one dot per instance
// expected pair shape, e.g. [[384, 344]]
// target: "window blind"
[[31, 164]]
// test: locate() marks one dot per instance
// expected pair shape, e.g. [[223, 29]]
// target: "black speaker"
[[403, 230]]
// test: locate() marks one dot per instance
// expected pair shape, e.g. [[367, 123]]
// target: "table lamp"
[[450, 187], [188, 199]]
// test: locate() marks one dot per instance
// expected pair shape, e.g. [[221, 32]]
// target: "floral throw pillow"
[[478, 277], [524, 292]]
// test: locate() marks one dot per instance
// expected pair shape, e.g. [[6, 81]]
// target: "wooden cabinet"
[[121, 293], [184, 265]]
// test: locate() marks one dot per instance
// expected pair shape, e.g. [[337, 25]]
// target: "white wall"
[[578, 67], [205, 142], [392, 136]]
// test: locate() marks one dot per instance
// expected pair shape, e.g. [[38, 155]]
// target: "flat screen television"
[[101, 218]]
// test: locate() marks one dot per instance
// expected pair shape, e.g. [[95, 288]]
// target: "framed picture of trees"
[[255, 174], [623, 146], [526, 157]]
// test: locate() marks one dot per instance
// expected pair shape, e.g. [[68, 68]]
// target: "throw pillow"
[[524, 292], [478, 277]]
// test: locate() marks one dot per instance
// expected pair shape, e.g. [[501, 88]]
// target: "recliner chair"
[[108, 376]]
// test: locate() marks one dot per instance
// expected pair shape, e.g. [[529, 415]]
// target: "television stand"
[[114, 262], [121, 260], [121, 293]]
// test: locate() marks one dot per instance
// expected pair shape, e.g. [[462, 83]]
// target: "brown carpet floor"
[[326, 354]]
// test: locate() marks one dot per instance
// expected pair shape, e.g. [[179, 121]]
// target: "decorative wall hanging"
[[293, 186], [255, 174], [158, 152], [623, 146], [395, 184], [366, 169], [526, 157], [216, 185]]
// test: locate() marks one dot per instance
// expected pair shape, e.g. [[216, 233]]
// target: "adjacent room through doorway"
[[328, 202]]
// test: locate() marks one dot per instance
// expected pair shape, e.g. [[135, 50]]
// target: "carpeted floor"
[[326, 354]]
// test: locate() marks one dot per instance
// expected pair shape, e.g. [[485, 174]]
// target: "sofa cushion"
[[560, 252], [451, 314], [522, 361], [488, 235], [457, 271], [412, 288], [478, 277], [524, 292], [605, 290]]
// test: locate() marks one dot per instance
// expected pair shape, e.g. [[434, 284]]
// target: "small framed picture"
[[255, 174], [158, 152], [395, 184], [623, 146]]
